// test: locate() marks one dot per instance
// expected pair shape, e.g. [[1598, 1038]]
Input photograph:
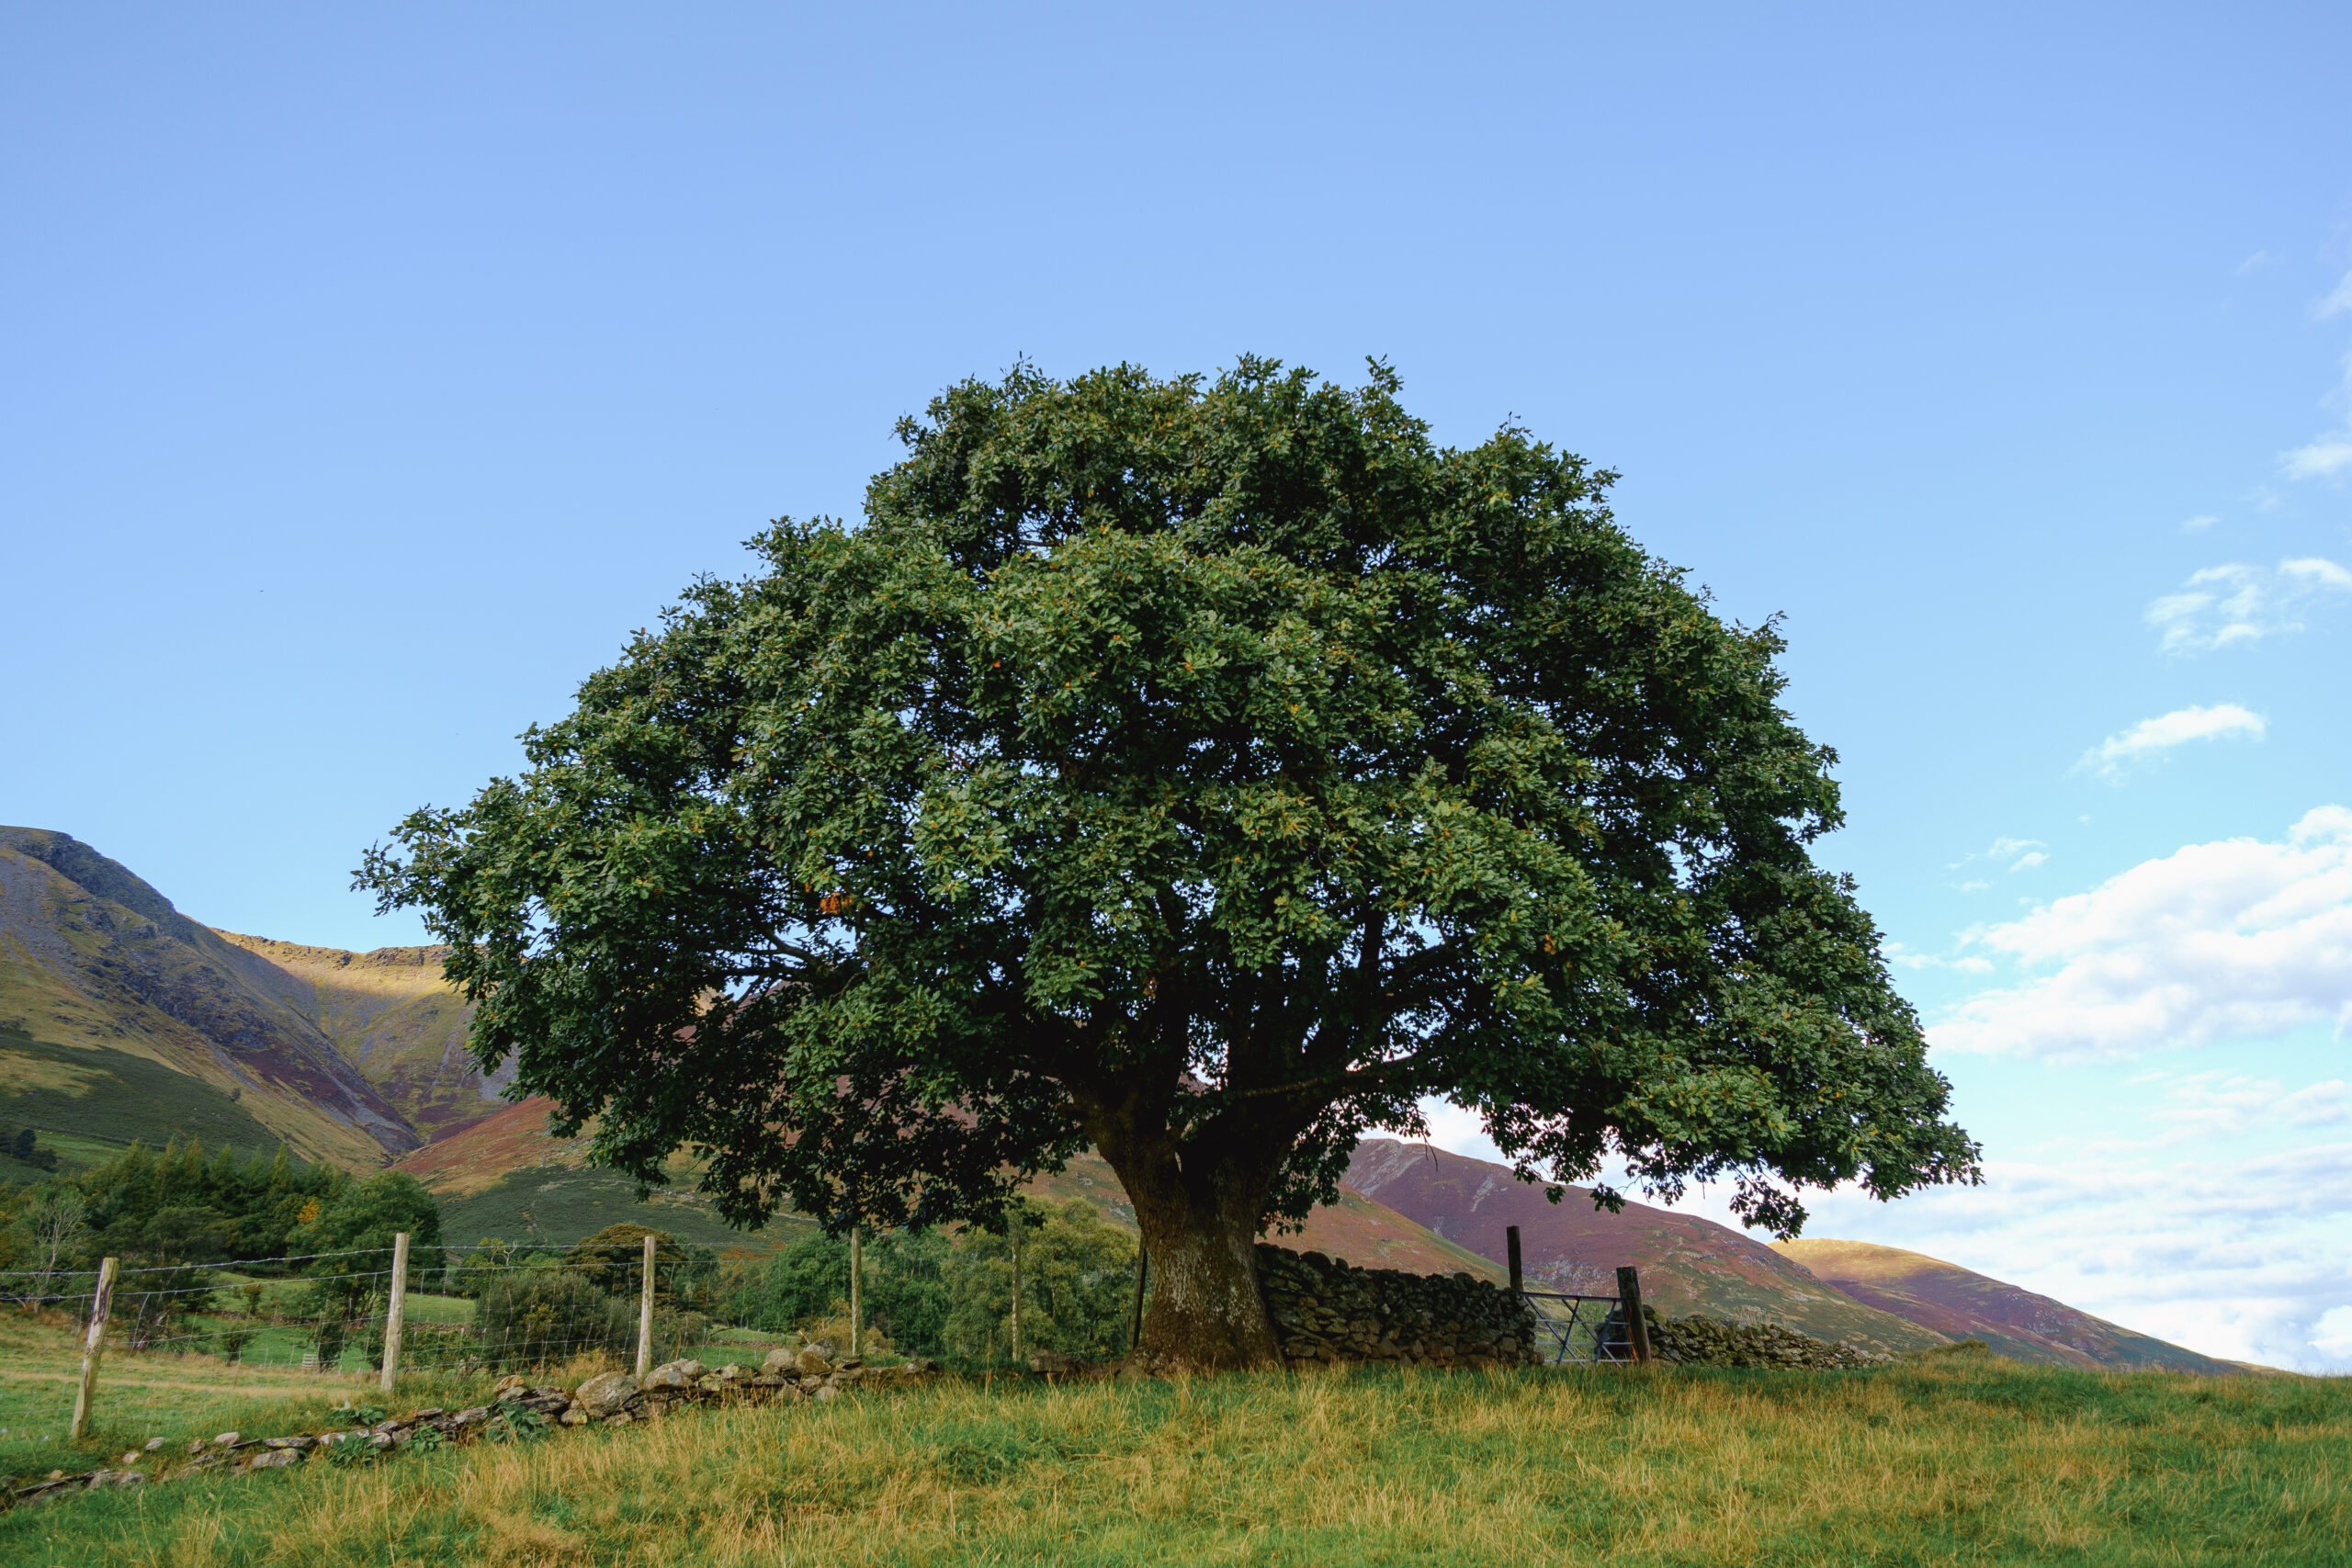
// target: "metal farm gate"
[[1584, 1330]]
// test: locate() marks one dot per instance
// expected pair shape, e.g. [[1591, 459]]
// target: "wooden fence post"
[[1143, 1278], [395, 1312], [93, 1344], [856, 1285], [1629, 1299], [1016, 1285], [645, 1314], [1510, 1248]]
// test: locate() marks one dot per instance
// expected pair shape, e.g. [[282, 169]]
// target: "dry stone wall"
[[1327, 1313], [517, 1410], [1710, 1342]]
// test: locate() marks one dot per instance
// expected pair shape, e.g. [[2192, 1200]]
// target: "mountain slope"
[[1960, 1303], [392, 1016], [1688, 1264], [90, 956]]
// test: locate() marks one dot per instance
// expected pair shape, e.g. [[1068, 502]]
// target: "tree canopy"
[[1207, 770]]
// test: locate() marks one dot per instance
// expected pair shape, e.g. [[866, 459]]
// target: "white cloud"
[[2333, 1333], [2199, 524], [2323, 458], [2329, 454], [2237, 1258], [2222, 940], [2113, 757], [2022, 854], [2226, 604], [2229, 1105]]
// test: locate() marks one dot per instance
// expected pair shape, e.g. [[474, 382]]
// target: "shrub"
[[548, 1315]]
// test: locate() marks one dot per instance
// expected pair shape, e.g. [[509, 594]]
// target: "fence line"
[[454, 1309]]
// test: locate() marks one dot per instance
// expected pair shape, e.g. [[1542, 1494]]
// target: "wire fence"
[[341, 1316]]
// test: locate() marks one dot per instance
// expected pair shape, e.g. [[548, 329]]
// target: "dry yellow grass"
[[1961, 1459]]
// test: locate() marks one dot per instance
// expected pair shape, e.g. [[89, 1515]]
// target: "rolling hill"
[[1965, 1305]]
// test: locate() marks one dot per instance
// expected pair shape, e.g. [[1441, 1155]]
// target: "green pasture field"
[[552, 1206], [1942, 1459]]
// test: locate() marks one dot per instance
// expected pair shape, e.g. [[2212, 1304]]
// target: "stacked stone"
[[810, 1372], [1326, 1312], [1710, 1342]]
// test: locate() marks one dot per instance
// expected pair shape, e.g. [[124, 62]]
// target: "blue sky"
[[369, 376]]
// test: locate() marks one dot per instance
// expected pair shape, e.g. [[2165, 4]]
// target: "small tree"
[[612, 1259], [1207, 772], [349, 1242], [535, 1316], [1075, 1276], [51, 1226]]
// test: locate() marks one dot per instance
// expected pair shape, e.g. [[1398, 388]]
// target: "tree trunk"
[[1205, 1313]]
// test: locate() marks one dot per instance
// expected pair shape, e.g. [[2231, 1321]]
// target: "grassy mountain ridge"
[[91, 956], [1964, 1305]]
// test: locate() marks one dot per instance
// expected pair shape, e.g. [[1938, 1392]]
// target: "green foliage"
[[349, 1242], [183, 1205], [351, 1450], [614, 1259], [46, 1237], [515, 1424], [1078, 1275], [904, 1293], [1208, 771], [534, 1317], [550, 1206]]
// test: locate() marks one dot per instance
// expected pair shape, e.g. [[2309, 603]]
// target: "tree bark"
[[1205, 1313]]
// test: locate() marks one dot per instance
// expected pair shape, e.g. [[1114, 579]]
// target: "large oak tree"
[[1205, 771]]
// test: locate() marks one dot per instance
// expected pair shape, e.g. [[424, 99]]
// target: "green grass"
[[1942, 1459], [553, 1206], [102, 1099]]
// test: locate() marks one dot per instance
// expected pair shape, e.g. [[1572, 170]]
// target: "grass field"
[[1950, 1459]]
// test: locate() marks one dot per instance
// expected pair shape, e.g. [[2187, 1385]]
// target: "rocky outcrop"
[[1326, 1314]]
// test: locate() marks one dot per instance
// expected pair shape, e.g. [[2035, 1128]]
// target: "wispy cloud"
[[2197, 523], [2234, 940], [2116, 756], [2328, 455], [2337, 303], [2229, 1105], [2222, 605], [2323, 458]]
